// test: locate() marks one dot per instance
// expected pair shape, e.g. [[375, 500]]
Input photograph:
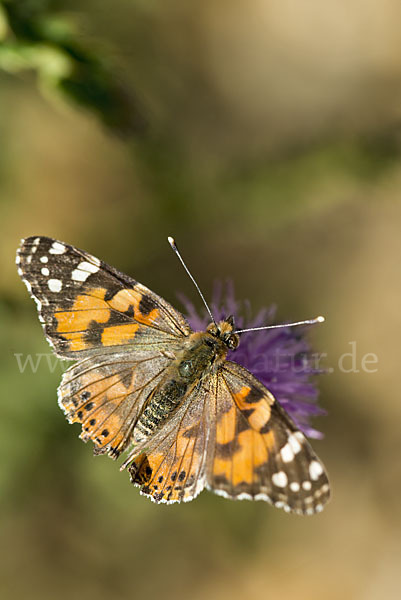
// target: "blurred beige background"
[[273, 155]]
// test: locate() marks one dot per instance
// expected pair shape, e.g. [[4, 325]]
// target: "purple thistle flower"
[[280, 358]]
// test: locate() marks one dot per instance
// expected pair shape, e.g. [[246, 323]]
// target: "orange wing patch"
[[226, 440], [92, 319], [85, 309], [255, 406], [87, 320], [173, 474], [239, 449], [130, 300], [72, 324], [119, 334]]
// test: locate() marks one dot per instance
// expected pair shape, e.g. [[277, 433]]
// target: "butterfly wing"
[[106, 395], [258, 452], [172, 468], [87, 306]]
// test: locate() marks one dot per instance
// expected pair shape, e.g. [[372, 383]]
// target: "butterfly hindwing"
[[259, 453], [87, 306], [106, 395], [173, 467]]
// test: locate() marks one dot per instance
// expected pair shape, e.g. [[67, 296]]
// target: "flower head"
[[280, 358]]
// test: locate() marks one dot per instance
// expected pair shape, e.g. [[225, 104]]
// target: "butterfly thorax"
[[200, 356]]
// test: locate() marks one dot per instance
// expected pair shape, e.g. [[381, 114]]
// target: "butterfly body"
[[145, 382], [201, 355]]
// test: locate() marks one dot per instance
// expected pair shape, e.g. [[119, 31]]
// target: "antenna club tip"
[[320, 319], [171, 240]]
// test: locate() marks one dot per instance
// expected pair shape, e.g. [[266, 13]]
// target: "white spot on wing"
[[86, 266], [82, 272], [264, 497], [57, 248], [306, 485], [294, 486], [44, 259], [315, 470], [244, 496], [35, 245], [294, 441], [45, 271], [78, 275], [221, 493], [28, 286], [55, 285], [280, 479], [287, 453]]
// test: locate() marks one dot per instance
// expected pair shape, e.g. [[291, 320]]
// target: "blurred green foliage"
[[36, 36]]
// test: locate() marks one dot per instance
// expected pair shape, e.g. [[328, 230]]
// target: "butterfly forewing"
[[87, 306]]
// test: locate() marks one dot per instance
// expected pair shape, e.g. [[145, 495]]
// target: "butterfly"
[[145, 383]]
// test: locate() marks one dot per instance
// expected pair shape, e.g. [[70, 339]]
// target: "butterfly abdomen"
[[160, 405]]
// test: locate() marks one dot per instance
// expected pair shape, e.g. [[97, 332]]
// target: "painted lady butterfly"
[[145, 381]]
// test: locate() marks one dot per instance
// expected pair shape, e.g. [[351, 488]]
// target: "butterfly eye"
[[185, 368], [232, 342], [213, 329]]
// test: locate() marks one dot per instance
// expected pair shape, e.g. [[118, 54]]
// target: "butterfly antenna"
[[174, 247], [307, 322]]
